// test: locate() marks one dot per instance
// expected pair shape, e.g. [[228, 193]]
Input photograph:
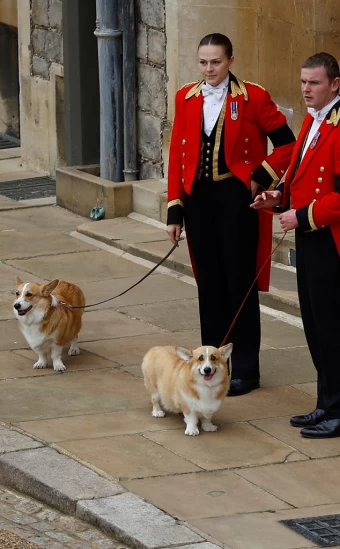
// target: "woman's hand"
[[267, 199], [174, 232]]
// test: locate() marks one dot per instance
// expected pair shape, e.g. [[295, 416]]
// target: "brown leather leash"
[[250, 289], [128, 289]]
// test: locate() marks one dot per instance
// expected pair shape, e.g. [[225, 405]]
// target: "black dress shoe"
[[329, 428], [309, 419], [242, 386]]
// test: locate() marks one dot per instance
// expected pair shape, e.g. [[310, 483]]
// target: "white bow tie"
[[317, 115], [217, 92]]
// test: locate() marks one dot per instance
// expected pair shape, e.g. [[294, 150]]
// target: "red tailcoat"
[[314, 188], [245, 147]]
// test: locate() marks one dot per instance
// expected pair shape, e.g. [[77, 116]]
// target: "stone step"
[[147, 239]]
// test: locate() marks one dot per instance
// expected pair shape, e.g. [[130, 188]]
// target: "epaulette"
[[196, 90], [189, 84], [238, 89], [334, 117], [254, 84]]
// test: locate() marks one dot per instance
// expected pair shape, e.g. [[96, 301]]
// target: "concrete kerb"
[[31, 467]]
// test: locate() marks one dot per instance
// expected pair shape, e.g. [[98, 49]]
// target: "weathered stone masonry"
[[152, 95], [47, 39]]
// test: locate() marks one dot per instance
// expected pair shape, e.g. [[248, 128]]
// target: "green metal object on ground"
[[97, 213]]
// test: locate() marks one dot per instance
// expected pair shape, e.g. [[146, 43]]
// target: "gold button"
[[182, 180], [207, 167], [314, 199], [245, 152], [319, 179], [282, 171], [183, 167], [322, 169], [208, 152], [247, 139], [183, 142], [206, 175], [317, 191], [207, 159], [322, 226], [209, 144], [246, 162], [183, 155]]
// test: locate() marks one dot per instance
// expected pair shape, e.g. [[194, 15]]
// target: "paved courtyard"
[[234, 485]]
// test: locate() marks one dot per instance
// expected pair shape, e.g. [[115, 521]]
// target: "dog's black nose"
[[17, 306], [207, 370]]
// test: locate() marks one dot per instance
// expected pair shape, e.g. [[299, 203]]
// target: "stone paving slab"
[[133, 520], [315, 479], [12, 441], [8, 275], [175, 316], [38, 244], [69, 394], [211, 494], [280, 428], [233, 445], [30, 219], [129, 456], [89, 266], [53, 478]]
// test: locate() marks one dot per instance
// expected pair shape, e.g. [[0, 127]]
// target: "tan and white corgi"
[[191, 382], [46, 324]]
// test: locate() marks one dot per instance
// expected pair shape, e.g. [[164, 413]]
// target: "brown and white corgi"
[[46, 324], [191, 382]]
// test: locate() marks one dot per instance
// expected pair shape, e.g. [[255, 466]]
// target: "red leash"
[[250, 289]]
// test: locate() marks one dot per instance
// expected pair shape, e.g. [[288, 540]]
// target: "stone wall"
[[271, 40], [152, 93], [47, 40]]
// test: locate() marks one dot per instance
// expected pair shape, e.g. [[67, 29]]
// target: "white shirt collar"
[[320, 115], [223, 84]]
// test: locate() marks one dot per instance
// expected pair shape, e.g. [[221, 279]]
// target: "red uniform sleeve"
[[175, 185], [274, 124]]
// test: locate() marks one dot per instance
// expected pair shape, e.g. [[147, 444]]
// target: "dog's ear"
[[47, 289], [185, 354], [226, 350], [18, 281]]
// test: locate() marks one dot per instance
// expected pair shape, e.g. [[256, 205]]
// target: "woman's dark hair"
[[217, 39], [323, 60]]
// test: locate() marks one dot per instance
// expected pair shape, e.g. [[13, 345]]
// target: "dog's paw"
[[58, 366], [209, 427], [192, 431], [74, 351], [40, 364], [158, 413]]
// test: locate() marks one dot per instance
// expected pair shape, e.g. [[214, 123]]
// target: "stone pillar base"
[[79, 189]]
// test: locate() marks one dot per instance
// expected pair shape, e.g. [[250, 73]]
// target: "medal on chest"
[[234, 110], [315, 140]]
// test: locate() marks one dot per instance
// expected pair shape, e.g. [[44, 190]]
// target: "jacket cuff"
[[265, 176], [305, 218], [175, 213]]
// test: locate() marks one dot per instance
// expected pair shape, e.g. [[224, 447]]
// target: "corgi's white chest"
[[34, 337], [207, 401]]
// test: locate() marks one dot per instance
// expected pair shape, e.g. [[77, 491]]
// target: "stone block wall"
[[46, 36], [152, 91]]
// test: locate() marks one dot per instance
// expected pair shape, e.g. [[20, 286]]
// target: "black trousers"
[[318, 277], [222, 233]]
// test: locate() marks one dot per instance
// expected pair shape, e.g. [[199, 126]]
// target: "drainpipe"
[[110, 88], [129, 64]]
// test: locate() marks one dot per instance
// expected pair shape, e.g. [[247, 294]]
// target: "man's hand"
[[174, 232], [288, 220], [267, 199]]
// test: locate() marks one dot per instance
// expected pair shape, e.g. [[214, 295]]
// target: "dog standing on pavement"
[[191, 382], [46, 324]]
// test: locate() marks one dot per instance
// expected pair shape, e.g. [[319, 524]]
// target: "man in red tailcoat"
[[312, 192]]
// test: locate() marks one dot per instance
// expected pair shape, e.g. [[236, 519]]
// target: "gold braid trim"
[[311, 217], [196, 90], [238, 89], [272, 174], [254, 84], [176, 202], [334, 118]]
